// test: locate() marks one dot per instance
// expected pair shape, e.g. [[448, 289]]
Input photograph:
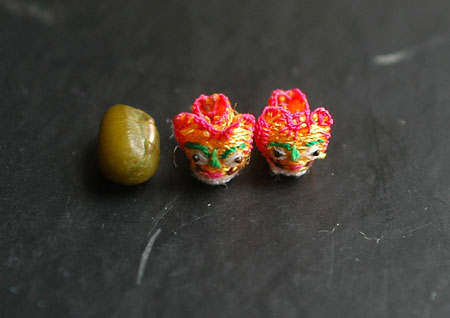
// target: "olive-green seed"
[[128, 145]]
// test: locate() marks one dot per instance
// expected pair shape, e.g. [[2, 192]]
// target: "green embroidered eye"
[[204, 155], [312, 143], [231, 150], [195, 145], [279, 144]]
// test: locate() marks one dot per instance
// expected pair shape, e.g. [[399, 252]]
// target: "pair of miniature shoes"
[[218, 140]]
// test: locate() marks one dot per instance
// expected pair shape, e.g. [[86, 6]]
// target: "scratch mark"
[[194, 220], [14, 290], [376, 239], [417, 228], [68, 212], [33, 10], [393, 58], [385, 285], [67, 207], [433, 295], [439, 199], [405, 54], [163, 213], [174, 156], [331, 270], [145, 255], [170, 122], [327, 231]]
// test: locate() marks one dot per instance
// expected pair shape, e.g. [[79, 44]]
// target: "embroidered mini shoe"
[[216, 138], [289, 136]]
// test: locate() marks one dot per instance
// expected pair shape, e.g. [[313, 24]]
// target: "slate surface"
[[365, 234]]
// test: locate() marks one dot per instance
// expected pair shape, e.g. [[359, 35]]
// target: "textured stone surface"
[[365, 234]]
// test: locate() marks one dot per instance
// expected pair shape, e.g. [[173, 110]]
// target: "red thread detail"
[[215, 115], [288, 114]]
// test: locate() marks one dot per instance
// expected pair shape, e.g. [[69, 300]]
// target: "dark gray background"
[[365, 234]]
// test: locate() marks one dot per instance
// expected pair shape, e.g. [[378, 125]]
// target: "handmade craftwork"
[[215, 137], [289, 136]]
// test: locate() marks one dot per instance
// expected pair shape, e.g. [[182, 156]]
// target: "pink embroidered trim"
[[288, 113]]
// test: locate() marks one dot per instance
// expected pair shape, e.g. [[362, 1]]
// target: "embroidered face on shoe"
[[216, 139], [289, 136]]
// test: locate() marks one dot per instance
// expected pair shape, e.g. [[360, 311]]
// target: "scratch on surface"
[[376, 239], [385, 285], [145, 255], [170, 122], [402, 55], [14, 290], [19, 8], [393, 58], [174, 156], [194, 220], [439, 199], [432, 297], [417, 228], [163, 212], [327, 231], [331, 270], [67, 207]]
